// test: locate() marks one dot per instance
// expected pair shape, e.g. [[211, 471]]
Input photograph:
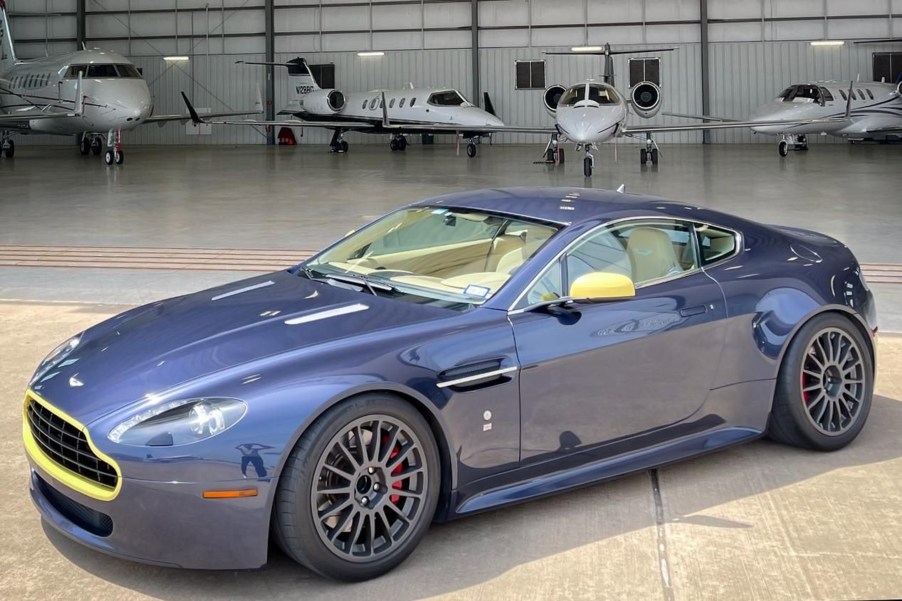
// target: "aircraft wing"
[[488, 129], [21, 120], [346, 125], [630, 129], [185, 118]]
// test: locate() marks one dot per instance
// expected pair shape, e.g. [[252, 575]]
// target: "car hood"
[[153, 348]]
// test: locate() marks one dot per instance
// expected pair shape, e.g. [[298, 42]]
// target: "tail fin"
[[487, 104], [7, 53], [301, 77]]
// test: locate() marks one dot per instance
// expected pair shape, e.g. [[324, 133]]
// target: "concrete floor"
[[759, 521]]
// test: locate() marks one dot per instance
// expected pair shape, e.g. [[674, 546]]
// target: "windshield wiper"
[[362, 280]]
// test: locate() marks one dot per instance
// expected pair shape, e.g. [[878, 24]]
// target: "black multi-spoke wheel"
[[359, 490], [825, 386]]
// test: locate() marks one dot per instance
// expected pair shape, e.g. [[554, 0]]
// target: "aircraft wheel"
[[393, 145], [643, 156], [560, 156], [587, 166], [343, 146], [654, 156], [471, 150], [783, 148], [84, 146], [10, 149], [108, 157], [119, 156], [402, 144]]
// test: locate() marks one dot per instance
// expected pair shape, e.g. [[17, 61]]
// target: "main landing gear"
[[398, 143], [7, 146], [90, 143], [472, 148], [338, 144], [650, 152], [554, 153], [792, 142]]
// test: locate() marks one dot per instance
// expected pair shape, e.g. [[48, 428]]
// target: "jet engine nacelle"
[[646, 99], [899, 89], [551, 96], [323, 101]]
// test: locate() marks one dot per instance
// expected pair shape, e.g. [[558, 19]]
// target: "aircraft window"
[[572, 96], [74, 70], [860, 94], [843, 92], [401, 104], [391, 103], [870, 94], [828, 97], [602, 95], [447, 98], [413, 101], [807, 93], [363, 106], [104, 71], [373, 104], [382, 104], [786, 94], [129, 71]]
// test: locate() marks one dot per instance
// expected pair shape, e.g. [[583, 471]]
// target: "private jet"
[[90, 93], [855, 111], [398, 112]]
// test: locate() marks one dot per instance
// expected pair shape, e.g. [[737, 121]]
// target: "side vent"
[[473, 376]]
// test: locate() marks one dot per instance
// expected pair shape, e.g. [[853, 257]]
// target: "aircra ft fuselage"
[[874, 109], [116, 97]]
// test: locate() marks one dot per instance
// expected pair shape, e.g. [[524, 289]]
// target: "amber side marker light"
[[230, 494]]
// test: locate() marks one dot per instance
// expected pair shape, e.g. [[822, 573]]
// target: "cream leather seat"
[[510, 261], [651, 255]]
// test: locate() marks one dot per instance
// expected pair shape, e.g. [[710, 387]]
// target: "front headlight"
[[179, 422], [55, 357]]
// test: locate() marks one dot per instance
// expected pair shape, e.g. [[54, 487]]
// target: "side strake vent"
[[475, 375]]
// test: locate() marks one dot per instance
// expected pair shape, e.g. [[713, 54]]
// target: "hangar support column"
[[80, 33], [474, 27], [706, 89], [270, 46]]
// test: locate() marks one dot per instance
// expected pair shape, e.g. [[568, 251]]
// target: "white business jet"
[[88, 93], [855, 111], [395, 112]]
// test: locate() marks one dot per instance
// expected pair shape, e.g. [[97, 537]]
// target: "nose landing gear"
[[589, 161], [90, 143], [338, 144], [650, 152], [554, 153], [792, 142], [114, 153]]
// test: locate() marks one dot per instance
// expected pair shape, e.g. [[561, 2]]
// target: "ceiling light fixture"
[[371, 53], [173, 59], [586, 49], [827, 43]]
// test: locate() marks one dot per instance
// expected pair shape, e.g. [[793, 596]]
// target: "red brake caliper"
[[397, 470]]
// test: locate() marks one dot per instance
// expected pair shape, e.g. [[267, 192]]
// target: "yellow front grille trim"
[[75, 481]]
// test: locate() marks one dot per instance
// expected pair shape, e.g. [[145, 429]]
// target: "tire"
[[108, 157], [783, 148], [825, 386], [587, 166], [365, 536], [560, 156], [343, 146], [10, 149], [402, 144], [393, 145], [471, 150], [654, 156], [643, 156], [119, 157], [96, 147], [84, 147]]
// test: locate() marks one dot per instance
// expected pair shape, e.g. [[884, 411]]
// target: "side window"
[[391, 103], [373, 104], [401, 104], [413, 101], [860, 94], [364, 103], [644, 251], [715, 244], [870, 94], [843, 92]]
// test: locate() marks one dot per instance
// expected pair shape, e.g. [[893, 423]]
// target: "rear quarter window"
[[715, 244]]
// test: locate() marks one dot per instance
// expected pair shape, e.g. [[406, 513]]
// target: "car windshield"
[[434, 255]]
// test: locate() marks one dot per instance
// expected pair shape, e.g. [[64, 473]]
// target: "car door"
[[596, 373]]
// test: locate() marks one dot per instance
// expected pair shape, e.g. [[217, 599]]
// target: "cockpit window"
[[128, 71], [597, 93], [801, 93], [446, 98], [74, 70], [102, 71]]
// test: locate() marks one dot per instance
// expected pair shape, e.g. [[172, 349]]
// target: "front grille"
[[67, 446], [85, 518]]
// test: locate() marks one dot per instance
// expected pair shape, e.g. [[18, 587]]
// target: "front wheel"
[[587, 166], [825, 386], [783, 148], [359, 490]]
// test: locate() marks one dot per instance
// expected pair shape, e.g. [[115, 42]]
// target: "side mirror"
[[600, 285]]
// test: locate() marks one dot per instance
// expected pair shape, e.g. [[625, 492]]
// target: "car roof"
[[563, 206]]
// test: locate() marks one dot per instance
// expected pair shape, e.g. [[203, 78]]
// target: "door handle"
[[689, 311]]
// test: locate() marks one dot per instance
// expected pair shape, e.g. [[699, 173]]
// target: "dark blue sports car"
[[462, 353]]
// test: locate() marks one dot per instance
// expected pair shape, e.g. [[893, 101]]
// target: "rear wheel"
[[783, 148], [654, 156], [825, 386], [359, 489], [643, 156]]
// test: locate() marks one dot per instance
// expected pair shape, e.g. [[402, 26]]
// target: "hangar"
[[313, 118]]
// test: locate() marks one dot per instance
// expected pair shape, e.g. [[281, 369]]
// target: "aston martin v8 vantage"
[[459, 354]]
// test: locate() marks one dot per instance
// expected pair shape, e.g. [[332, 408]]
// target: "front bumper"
[[162, 523]]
